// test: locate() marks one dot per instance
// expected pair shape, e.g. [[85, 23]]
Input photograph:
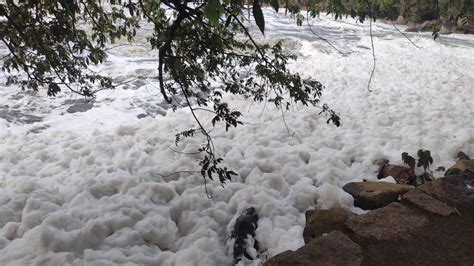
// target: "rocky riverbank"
[[428, 225]]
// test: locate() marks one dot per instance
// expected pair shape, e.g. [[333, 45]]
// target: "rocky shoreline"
[[432, 224]]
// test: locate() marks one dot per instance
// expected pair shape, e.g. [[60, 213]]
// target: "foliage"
[[53, 44], [424, 160]]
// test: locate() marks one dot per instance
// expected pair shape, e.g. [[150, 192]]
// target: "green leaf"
[[213, 10], [424, 159], [275, 5], [258, 15], [409, 160]]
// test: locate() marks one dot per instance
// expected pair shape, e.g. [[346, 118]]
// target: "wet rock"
[[319, 222], [461, 155], [402, 174], [427, 203], [400, 20], [448, 28], [426, 25], [244, 228], [455, 190], [373, 195], [462, 166], [332, 249], [392, 223]]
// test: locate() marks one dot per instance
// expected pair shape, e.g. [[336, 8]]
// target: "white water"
[[94, 187]]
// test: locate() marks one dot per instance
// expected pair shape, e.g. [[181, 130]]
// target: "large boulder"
[[427, 203], [373, 195], [455, 190], [334, 248], [392, 223], [319, 222]]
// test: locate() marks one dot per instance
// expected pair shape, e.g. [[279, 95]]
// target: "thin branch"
[[284, 121], [323, 39], [178, 172], [404, 35], [373, 55], [185, 153]]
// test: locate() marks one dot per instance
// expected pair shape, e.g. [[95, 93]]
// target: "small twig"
[[186, 153], [123, 44], [125, 82], [284, 121], [322, 38], [404, 35], [5, 56], [209, 196], [178, 172], [373, 55]]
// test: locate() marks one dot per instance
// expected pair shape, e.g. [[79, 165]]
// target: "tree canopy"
[[53, 44]]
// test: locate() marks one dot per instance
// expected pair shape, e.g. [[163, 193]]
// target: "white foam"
[[100, 187]]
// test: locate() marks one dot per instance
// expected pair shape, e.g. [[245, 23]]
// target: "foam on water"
[[105, 187]]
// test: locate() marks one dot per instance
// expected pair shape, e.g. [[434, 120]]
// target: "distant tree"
[[53, 43]]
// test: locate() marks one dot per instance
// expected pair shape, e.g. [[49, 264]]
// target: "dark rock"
[[391, 223], [448, 28], [321, 222], [333, 249], [373, 195], [429, 204], [245, 227], [461, 155], [455, 190], [402, 174]]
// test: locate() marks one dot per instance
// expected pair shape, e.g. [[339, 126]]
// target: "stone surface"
[[319, 222], [402, 174], [455, 190], [400, 20], [333, 249], [461, 155], [373, 195], [427, 203], [391, 223], [464, 166]]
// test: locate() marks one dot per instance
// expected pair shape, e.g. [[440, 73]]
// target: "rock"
[[429, 204], [402, 174], [392, 223], [411, 24], [461, 155], [448, 28], [400, 20], [321, 222], [426, 25], [245, 227], [462, 166], [333, 249], [373, 195], [455, 190]]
